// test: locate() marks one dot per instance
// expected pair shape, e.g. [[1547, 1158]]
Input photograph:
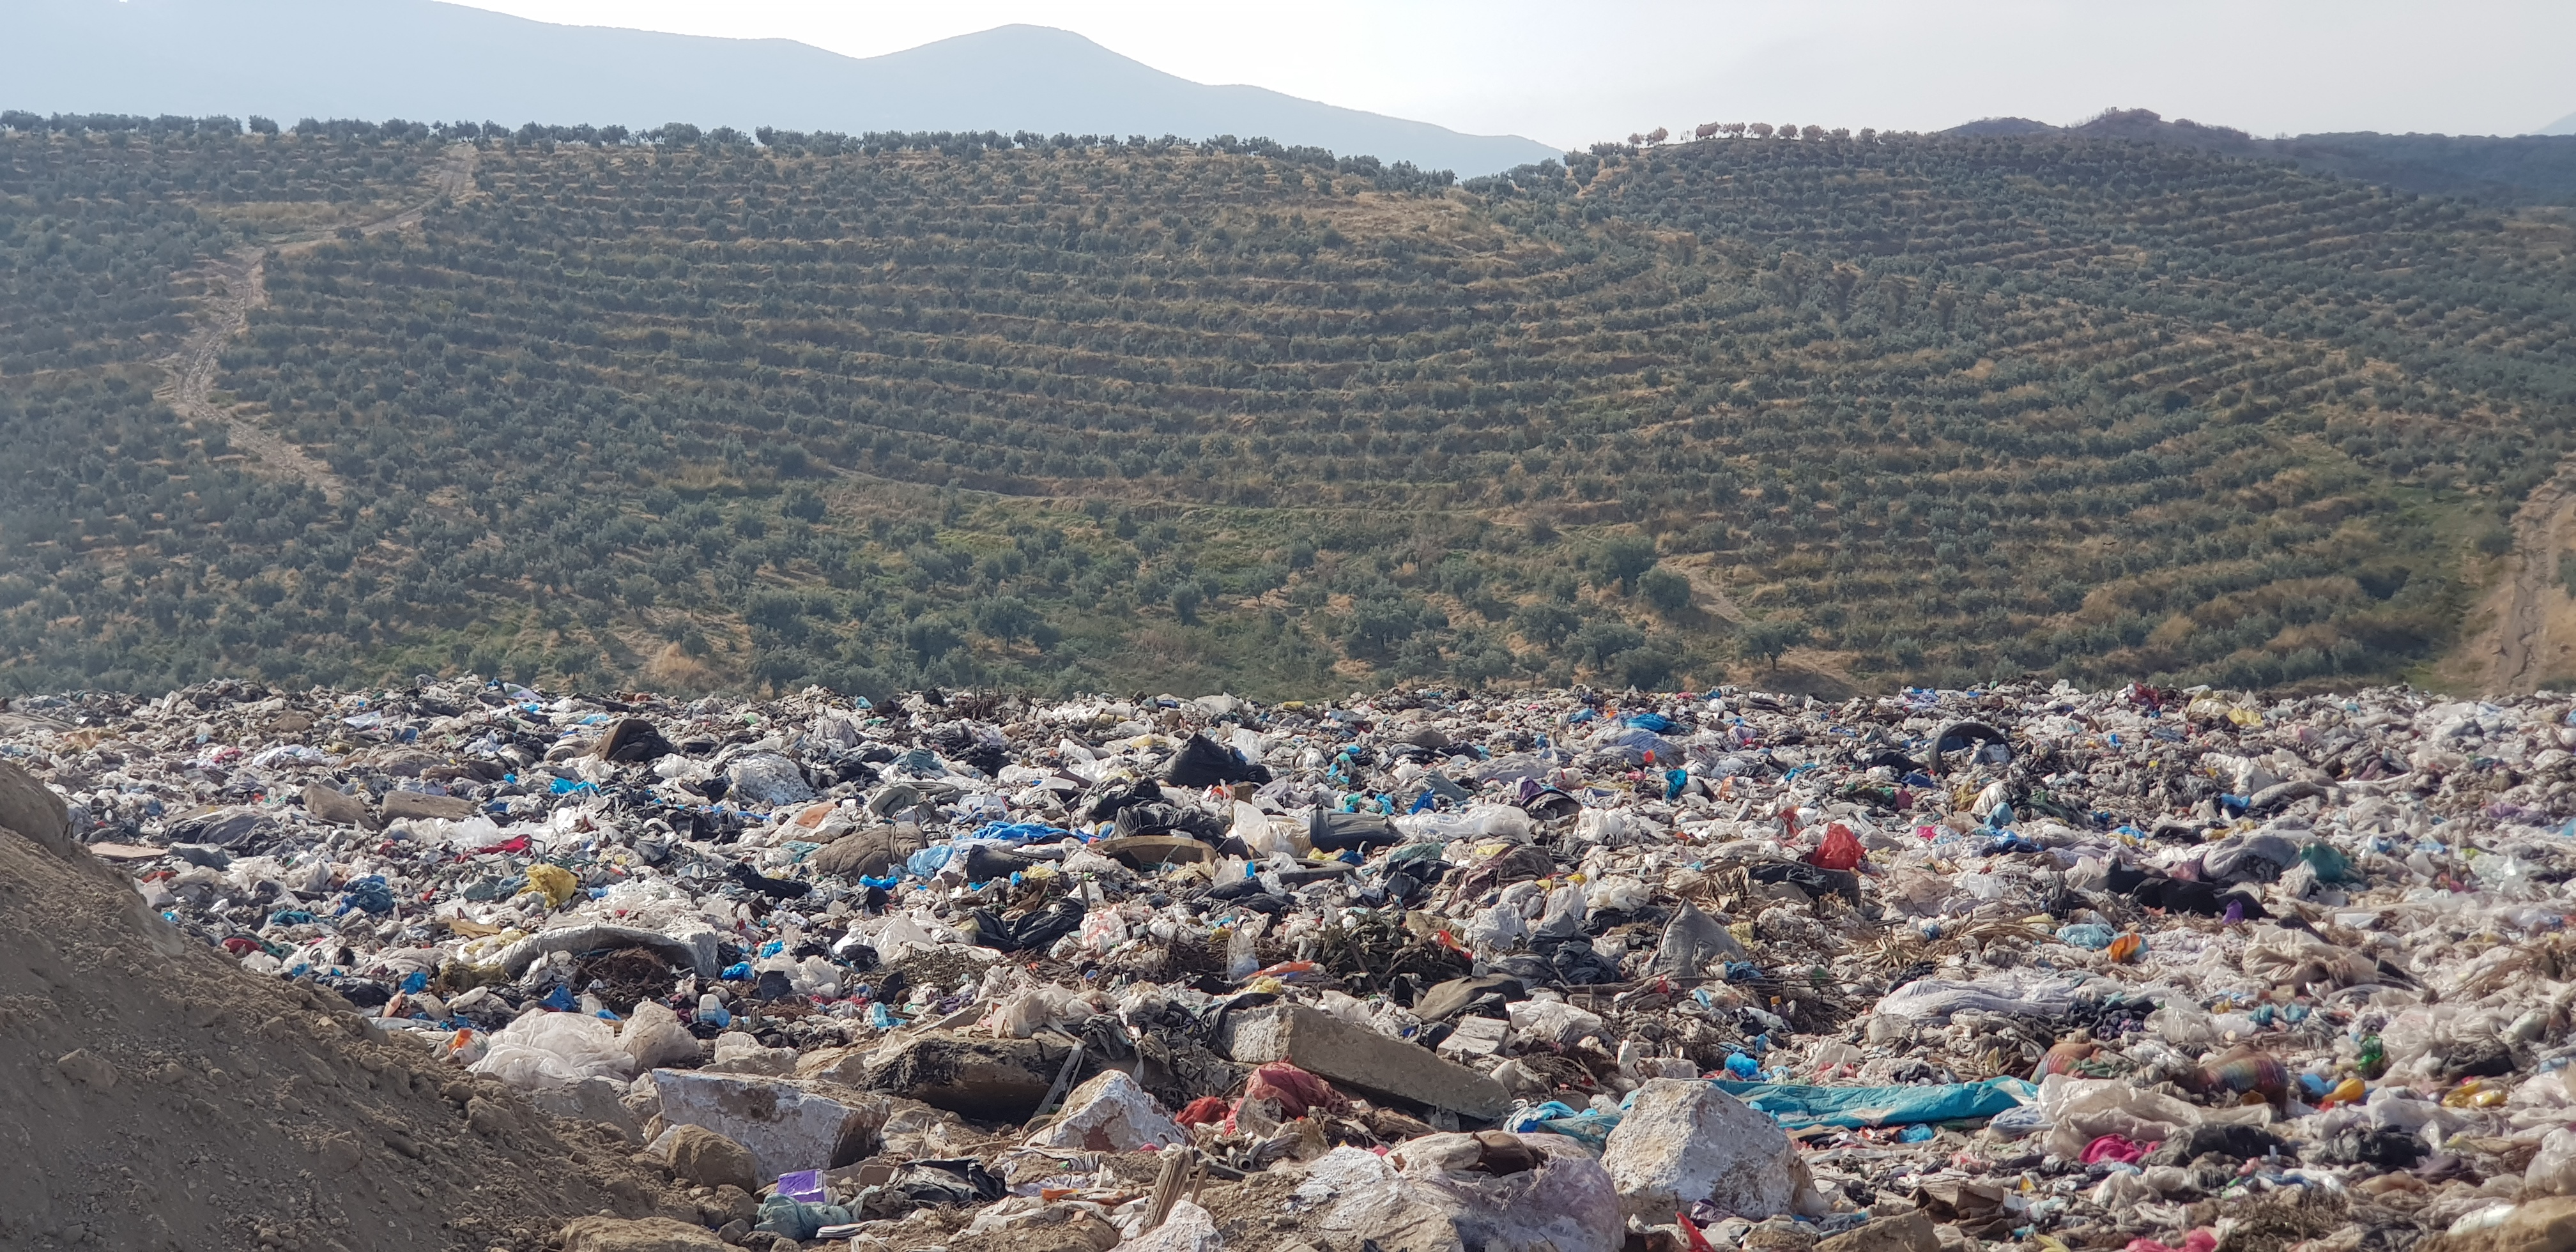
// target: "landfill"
[[2024, 966]]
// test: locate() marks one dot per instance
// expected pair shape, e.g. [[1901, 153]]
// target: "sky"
[[1572, 73]]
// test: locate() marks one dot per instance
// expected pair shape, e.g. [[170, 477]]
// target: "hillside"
[[2502, 171], [1179, 416], [290, 59]]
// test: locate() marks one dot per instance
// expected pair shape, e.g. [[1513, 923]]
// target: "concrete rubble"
[[2165, 971]]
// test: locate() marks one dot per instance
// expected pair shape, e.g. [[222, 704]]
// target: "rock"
[[991, 1079], [1188, 1228], [336, 807], [739, 1053], [400, 805], [650, 1234], [1905, 1232], [87, 1068], [31, 809], [1684, 1141], [1357, 1057], [591, 1100], [783, 1126], [702, 1156], [1110, 1113], [766, 780]]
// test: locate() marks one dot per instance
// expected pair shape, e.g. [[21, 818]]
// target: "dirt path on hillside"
[[236, 283], [2530, 633]]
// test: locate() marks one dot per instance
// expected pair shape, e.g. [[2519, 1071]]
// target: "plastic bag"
[[1264, 837], [1840, 850], [546, 1050], [2553, 1169]]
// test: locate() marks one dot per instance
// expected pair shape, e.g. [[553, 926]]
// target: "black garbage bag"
[[2182, 895], [1033, 932], [2243, 1143], [774, 888], [958, 1182], [1341, 832], [1106, 804], [984, 863], [1203, 762], [1578, 964], [2387, 1149], [1815, 880], [1156, 819]]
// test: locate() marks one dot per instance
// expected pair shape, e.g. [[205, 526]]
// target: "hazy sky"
[[1570, 73]]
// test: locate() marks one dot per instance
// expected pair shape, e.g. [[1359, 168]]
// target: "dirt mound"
[[161, 1097]]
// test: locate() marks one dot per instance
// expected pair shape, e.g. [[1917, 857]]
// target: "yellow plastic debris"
[[554, 882]]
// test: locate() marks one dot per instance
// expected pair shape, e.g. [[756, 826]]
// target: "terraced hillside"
[[1084, 413]]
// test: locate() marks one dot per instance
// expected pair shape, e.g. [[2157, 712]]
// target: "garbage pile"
[[2145, 969]]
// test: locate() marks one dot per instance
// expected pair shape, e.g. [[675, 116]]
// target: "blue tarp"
[[1796, 1107]]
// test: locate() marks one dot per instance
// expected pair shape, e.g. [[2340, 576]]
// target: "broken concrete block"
[[1563, 1200], [1360, 1058], [784, 1126], [994, 1079], [740, 1053], [1110, 1113], [1684, 1141], [1476, 1037]]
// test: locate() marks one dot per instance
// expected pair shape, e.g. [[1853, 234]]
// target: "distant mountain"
[[2502, 170], [2563, 126], [427, 61]]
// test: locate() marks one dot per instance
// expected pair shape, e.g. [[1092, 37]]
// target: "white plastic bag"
[[546, 1050]]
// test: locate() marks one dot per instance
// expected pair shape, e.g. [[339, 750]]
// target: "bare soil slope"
[[154, 1096]]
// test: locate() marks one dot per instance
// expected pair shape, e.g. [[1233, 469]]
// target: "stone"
[[1357, 1057], [649, 1234], [702, 1156], [87, 1068], [1684, 1141], [1564, 1201], [591, 1100], [784, 1126], [740, 1053], [1905, 1232], [33, 810], [400, 805], [337, 807], [1188, 1228], [988, 1079], [1110, 1113]]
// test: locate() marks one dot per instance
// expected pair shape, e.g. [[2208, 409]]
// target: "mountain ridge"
[[424, 59]]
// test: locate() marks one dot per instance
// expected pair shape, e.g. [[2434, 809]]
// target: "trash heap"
[[2031, 966]]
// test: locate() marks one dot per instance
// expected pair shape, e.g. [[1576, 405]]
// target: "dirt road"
[[2530, 637], [236, 284]]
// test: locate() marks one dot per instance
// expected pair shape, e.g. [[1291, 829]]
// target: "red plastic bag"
[[1294, 1090], [1203, 1110], [1840, 850]]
